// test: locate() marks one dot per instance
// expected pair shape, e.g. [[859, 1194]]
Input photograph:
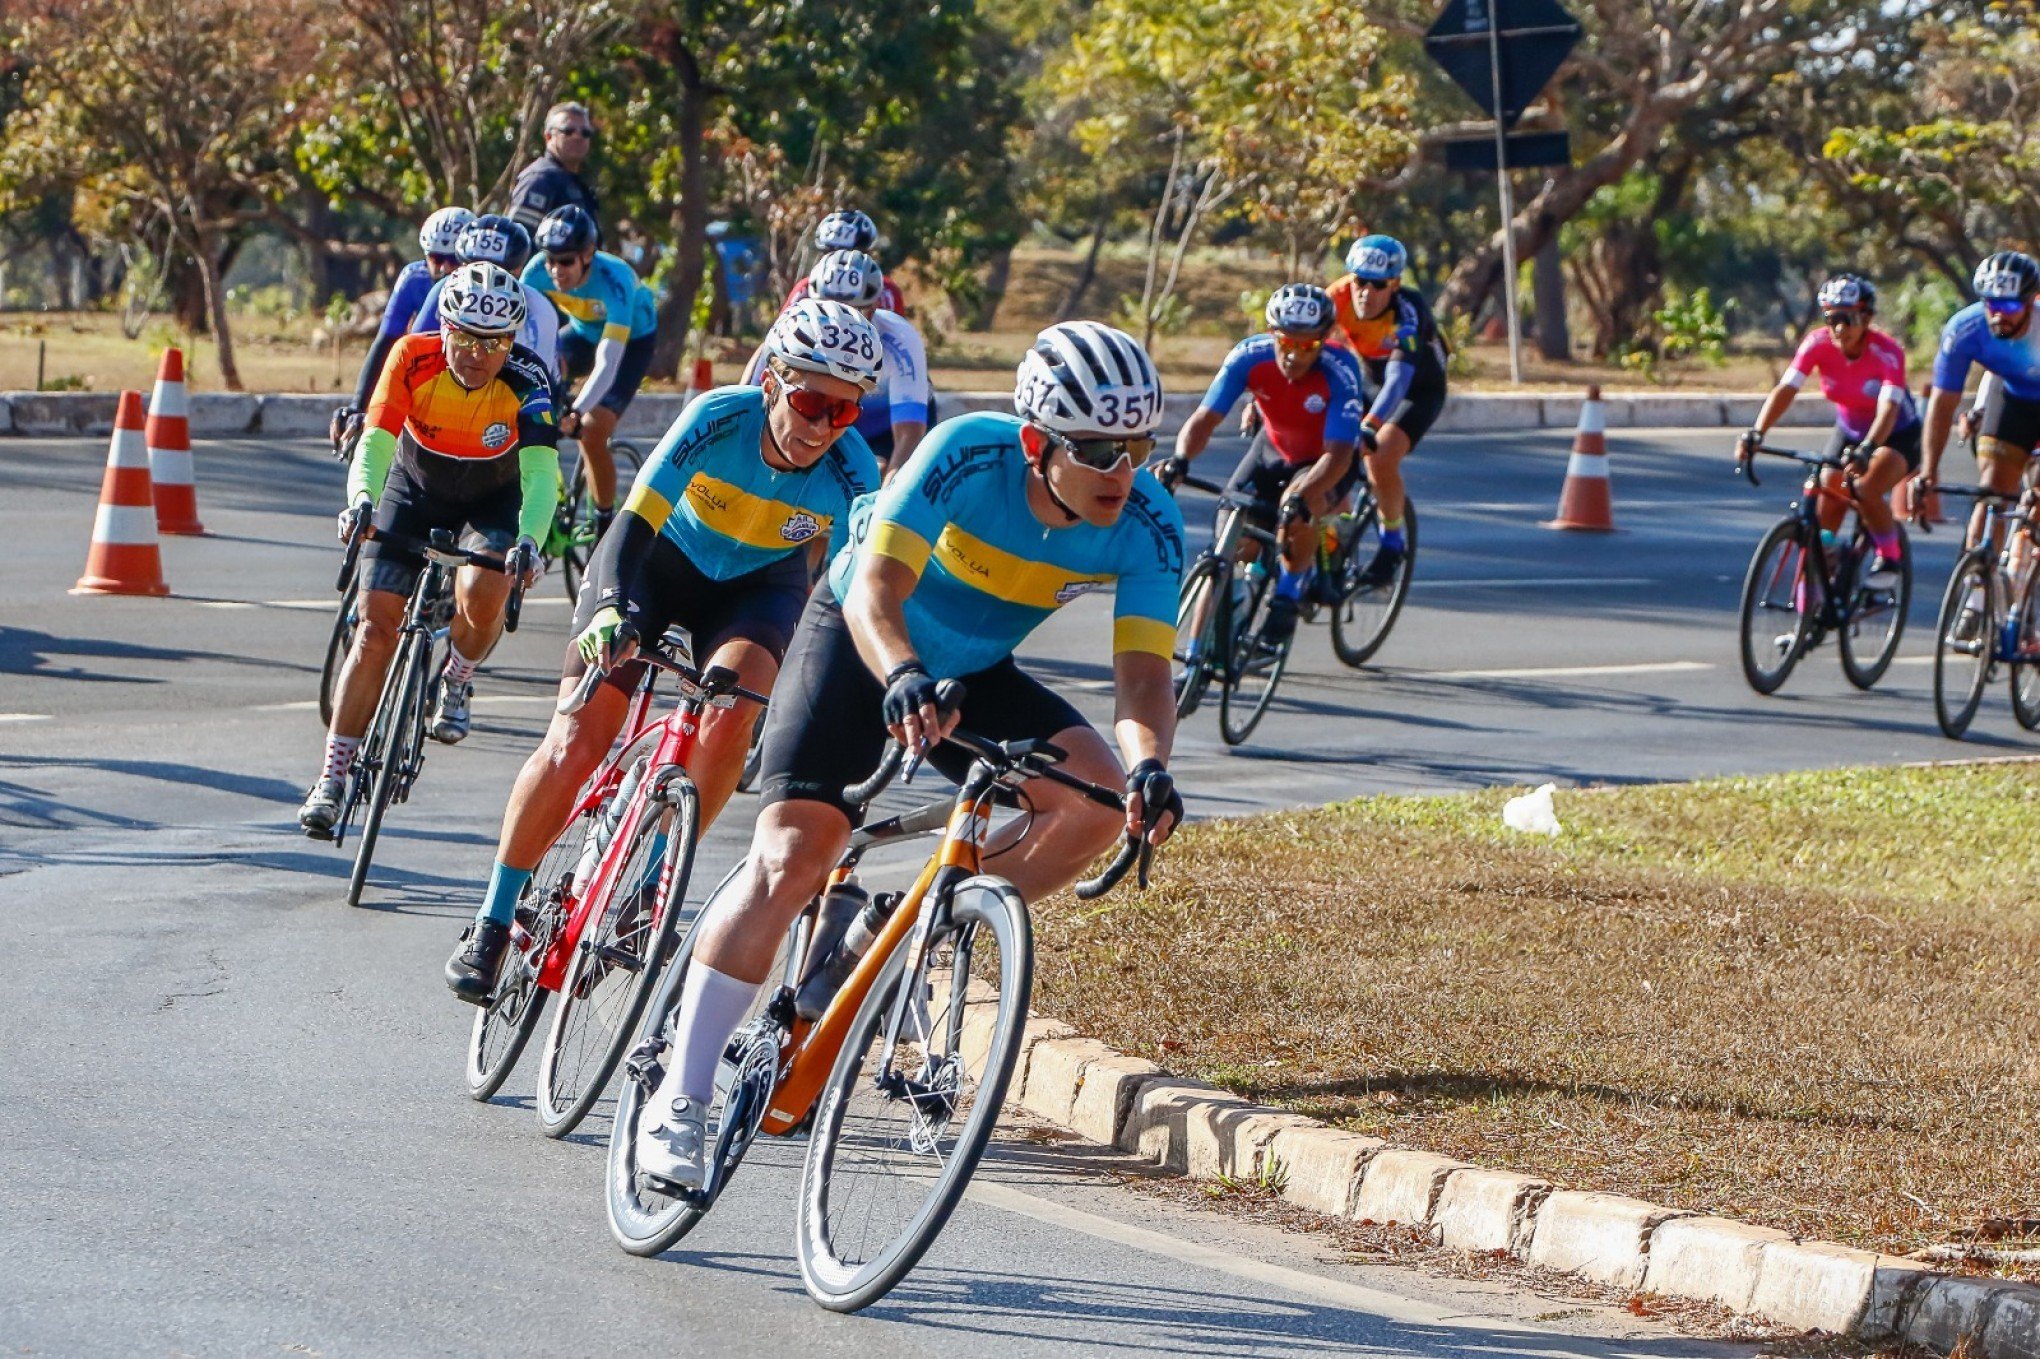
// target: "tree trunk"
[[216, 310], [1547, 275], [998, 273], [1089, 273], [676, 314]]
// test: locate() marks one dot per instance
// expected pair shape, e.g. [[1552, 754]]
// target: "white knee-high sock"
[[712, 1005]]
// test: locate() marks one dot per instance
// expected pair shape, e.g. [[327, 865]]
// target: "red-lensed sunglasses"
[[839, 412]]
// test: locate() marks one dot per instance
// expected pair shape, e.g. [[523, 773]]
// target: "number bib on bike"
[[991, 572], [707, 488]]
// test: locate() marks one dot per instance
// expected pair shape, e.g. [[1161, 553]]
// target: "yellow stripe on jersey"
[[649, 505], [997, 572], [587, 310], [754, 520], [1144, 634], [901, 544], [613, 331]]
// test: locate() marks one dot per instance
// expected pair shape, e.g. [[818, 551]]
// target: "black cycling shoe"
[[1280, 625], [471, 971], [1382, 570]]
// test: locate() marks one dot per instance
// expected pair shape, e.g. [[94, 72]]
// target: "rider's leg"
[[1384, 470], [596, 428], [1832, 512], [546, 788], [479, 596], [2002, 465], [1066, 832], [368, 660], [1873, 496], [726, 732]]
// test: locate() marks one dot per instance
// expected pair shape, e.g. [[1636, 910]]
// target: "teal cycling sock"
[[1289, 585], [506, 884]]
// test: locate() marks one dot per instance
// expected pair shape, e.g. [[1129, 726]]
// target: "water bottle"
[[2008, 641], [603, 826], [819, 989], [840, 906]]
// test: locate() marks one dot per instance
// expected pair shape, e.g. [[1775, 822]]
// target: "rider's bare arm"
[[1934, 437], [1144, 714], [1197, 432]]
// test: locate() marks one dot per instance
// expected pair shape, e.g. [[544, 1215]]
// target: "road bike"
[[1990, 615], [897, 1055], [392, 753], [571, 539], [1804, 583], [601, 913], [1222, 609]]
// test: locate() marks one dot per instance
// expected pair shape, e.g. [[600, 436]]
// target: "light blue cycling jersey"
[[707, 487], [991, 572], [604, 307], [1966, 340], [644, 312]]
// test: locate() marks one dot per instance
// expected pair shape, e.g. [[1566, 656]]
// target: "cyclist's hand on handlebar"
[[607, 641], [524, 562], [1153, 806], [1922, 495], [912, 714], [1747, 443], [354, 519], [346, 427], [1250, 420], [1969, 422], [575, 431]]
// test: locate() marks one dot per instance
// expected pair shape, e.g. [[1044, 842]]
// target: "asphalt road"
[[231, 1115]]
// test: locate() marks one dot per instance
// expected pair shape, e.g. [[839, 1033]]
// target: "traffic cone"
[[124, 559], [703, 379], [1584, 503], [169, 440]]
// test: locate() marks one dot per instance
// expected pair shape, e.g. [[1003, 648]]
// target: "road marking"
[[1561, 671], [1526, 582], [322, 605], [513, 700], [24, 717], [296, 705]]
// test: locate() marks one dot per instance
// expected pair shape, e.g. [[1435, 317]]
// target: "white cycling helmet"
[[847, 276], [1083, 378], [1847, 290], [482, 299], [816, 335], [846, 230], [1299, 306], [442, 230]]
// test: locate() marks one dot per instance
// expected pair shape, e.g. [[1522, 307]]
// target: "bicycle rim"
[[504, 1026], [2026, 675], [574, 556], [1254, 670], [616, 963], [1773, 625], [1196, 628], [885, 1167], [1362, 619], [338, 644], [1876, 624], [1962, 649], [393, 730]]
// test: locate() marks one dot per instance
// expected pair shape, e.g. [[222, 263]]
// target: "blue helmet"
[[1377, 259], [494, 239], [568, 231]]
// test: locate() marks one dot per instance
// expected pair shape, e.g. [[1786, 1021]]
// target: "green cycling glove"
[[597, 641]]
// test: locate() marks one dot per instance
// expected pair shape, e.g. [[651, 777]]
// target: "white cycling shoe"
[[672, 1143]]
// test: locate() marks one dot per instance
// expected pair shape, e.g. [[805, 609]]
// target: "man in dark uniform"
[[554, 180]]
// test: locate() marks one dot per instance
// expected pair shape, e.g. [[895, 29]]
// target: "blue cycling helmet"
[[1377, 259], [494, 239], [568, 231]]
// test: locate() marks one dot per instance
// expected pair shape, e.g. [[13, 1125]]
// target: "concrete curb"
[[1190, 1128], [223, 415]]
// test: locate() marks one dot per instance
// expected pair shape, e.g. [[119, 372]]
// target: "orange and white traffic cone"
[[1585, 504], [124, 558], [702, 380], [169, 439]]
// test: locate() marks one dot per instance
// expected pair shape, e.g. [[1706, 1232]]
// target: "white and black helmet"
[[846, 230], [1082, 377], [1299, 306], [2007, 276], [442, 229], [847, 276], [819, 336], [482, 299], [1848, 290]]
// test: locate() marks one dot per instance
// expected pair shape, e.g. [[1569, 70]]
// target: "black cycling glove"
[[908, 689], [1156, 788]]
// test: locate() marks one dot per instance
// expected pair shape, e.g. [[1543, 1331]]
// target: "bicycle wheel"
[[616, 964], [504, 1026], [1196, 650], [1965, 637], [1254, 667], [1876, 622], [754, 758], [573, 513], [1780, 600], [338, 644], [1362, 619], [393, 735], [894, 1146], [2026, 674]]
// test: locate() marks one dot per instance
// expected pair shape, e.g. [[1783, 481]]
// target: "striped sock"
[[459, 669]]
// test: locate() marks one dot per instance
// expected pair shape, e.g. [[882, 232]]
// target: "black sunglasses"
[[588, 132], [1842, 318]]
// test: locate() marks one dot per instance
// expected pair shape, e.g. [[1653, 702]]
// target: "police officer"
[[553, 180]]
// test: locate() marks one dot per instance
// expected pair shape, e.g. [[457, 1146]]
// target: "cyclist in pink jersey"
[[1862, 372]]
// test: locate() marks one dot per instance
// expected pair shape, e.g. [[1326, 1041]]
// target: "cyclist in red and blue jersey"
[[1308, 398], [438, 238]]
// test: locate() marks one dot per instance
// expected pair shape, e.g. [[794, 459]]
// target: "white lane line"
[[513, 700], [1562, 671], [24, 717], [1525, 582], [322, 605], [225, 603], [296, 705]]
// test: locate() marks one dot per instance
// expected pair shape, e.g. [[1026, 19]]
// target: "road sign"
[[1534, 38], [1525, 149]]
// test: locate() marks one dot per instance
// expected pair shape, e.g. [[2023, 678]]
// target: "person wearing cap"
[[553, 178], [715, 538], [994, 525]]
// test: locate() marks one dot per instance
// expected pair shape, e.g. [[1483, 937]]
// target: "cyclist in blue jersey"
[[1308, 397], [608, 340], [438, 239], [715, 538], [997, 522], [495, 239], [1997, 333]]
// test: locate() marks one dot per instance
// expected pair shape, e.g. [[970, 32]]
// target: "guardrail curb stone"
[[1952, 1306], [1480, 1210], [1157, 1127], [1324, 1165], [62, 413], [1103, 1100], [1232, 1141], [1708, 1257], [1055, 1077], [2014, 1324], [1403, 1186], [6, 416], [1605, 1237], [217, 415]]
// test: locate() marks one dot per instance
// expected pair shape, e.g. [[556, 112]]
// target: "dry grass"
[[1810, 1001]]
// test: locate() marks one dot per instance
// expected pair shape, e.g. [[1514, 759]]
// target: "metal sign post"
[[1508, 198]]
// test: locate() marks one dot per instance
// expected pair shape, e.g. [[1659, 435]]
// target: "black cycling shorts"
[[1905, 442], [826, 728], [2013, 420], [483, 521], [1419, 410], [1264, 474], [577, 360], [760, 606]]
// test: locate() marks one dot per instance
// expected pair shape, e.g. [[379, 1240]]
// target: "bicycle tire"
[[573, 558], [1245, 663], [338, 644], [1202, 586], [566, 1093], [1771, 586], [395, 733], [1962, 665], [1355, 638], [2026, 674], [503, 1028], [1865, 606], [839, 1273], [754, 757]]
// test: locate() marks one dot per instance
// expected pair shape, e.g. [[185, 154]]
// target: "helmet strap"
[[1061, 505]]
